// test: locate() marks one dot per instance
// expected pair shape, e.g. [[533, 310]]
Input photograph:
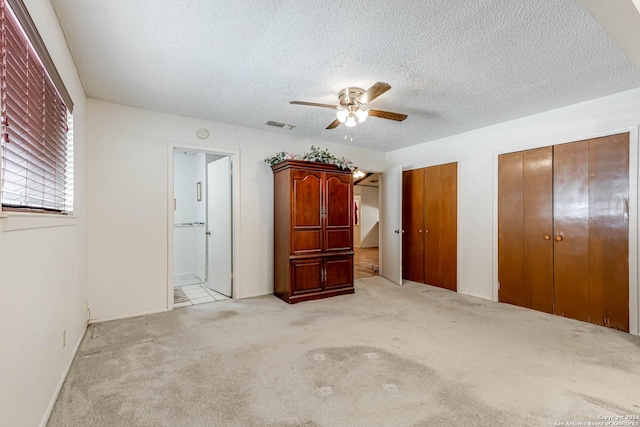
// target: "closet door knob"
[[426, 231], [547, 237], [558, 238], [419, 231]]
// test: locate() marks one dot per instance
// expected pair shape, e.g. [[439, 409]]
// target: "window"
[[36, 150]]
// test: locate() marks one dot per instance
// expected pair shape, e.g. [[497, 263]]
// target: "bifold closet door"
[[413, 225], [511, 229], [525, 229], [591, 214], [571, 224], [441, 225], [609, 231]]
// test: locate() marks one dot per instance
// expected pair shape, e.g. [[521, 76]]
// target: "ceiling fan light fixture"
[[352, 101]]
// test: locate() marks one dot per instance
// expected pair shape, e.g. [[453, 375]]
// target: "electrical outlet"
[[64, 338]]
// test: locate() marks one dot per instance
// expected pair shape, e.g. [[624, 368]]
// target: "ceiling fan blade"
[[373, 92], [314, 104], [334, 124], [388, 115]]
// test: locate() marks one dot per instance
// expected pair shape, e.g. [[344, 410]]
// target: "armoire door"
[[525, 229], [440, 225], [306, 276], [338, 272], [591, 214], [413, 225], [307, 215], [338, 205]]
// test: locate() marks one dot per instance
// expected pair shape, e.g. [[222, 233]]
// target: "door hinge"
[[498, 285]]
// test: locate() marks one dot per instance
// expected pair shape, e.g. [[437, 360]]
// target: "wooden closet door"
[[609, 231], [571, 229], [537, 181], [511, 229], [449, 226], [440, 232], [413, 225], [432, 226], [338, 205]]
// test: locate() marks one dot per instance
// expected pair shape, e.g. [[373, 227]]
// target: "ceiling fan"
[[352, 102]]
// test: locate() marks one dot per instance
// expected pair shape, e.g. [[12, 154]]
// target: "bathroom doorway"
[[202, 227]]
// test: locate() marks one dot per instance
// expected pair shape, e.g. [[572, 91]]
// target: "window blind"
[[34, 148]]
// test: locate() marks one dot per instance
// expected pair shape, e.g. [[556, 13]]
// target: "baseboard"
[[253, 295], [127, 316], [476, 296], [54, 398]]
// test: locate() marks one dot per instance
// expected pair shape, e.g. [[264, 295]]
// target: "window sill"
[[15, 221]]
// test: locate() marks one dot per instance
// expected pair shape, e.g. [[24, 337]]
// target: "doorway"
[[202, 227], [366, 223]]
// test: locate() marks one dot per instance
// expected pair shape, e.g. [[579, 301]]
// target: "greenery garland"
[[315, 154]]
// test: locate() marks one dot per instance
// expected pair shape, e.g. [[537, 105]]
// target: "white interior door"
[[219, 225], [391, 225]]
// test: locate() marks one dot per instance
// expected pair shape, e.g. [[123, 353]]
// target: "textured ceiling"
[[453, 65]]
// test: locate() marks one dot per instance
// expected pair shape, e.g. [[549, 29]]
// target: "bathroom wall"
[[190, 242]]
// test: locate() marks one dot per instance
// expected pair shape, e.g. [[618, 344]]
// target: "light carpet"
[[386, 356]]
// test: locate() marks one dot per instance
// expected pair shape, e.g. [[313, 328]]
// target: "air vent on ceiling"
[[279, 125]]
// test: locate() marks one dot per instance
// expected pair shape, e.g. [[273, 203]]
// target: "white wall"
[[128, 202], [43, 273], [477, 153], [189, 242], [369, 217], [357, 197]]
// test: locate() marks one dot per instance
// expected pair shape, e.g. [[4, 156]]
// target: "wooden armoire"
[[429, 221], [563, 230], [313, 230]]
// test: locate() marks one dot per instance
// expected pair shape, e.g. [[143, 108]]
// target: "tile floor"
[[186, 279], [198, 294]]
